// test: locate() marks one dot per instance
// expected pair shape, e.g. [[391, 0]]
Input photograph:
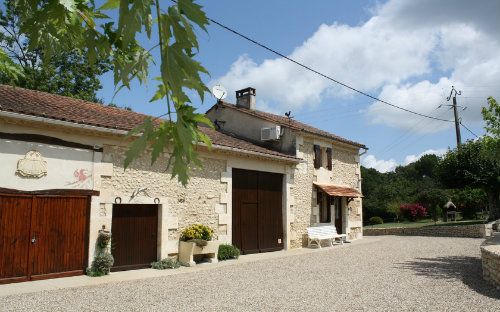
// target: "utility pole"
[[457, 121]]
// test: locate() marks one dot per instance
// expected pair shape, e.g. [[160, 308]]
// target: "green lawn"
[[421, 223]]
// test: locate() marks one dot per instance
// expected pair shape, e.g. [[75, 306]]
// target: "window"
[[318, 158], [324, 203]]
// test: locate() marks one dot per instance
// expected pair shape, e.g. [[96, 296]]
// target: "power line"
[[407, 135], [468, 129], [323, 75]]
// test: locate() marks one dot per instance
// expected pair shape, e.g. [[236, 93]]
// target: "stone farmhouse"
[[266, 179]]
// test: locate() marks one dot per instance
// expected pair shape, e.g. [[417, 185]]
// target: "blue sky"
[[405, 52]]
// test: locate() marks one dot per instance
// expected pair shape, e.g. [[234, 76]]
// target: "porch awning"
[[336, 190]]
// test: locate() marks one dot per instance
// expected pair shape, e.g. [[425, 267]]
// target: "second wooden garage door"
[[257, 211], [134, 236]]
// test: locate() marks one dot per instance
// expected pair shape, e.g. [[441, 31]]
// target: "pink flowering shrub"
[[412, 212]]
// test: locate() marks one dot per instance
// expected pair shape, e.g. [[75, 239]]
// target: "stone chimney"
[[245, 98]]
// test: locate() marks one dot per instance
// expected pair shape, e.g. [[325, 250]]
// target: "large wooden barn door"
[[42, 236], [257, 211], [134, 236]]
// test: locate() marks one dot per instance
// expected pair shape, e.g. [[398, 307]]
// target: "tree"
[[57, 25], [433, 200], [66, 73], [426, 165], [471, 165], [491, 116]]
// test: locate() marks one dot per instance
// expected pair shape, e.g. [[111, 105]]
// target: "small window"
[[324, 202], [317, 157]]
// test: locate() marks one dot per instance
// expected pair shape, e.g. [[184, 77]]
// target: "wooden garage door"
[[257, 211], [134, 236], [42, 236]]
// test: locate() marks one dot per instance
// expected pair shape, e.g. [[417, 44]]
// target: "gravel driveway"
[[385, 273]]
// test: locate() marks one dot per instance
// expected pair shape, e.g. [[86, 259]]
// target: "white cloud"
[[388, 55], [474, 62], [412, 158], [370, 161]]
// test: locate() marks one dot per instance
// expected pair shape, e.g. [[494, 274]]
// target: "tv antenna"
[[219, 92]]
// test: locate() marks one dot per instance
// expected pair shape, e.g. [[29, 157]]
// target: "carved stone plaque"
[[32, 165]]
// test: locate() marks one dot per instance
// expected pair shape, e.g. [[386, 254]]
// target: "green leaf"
[[193, 12], [68, 4], [110, 5], [140, 143], [162, 141]]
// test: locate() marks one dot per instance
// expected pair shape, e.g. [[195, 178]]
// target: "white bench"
[[317, 233]]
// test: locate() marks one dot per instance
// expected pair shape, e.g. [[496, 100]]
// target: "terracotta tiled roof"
[[62, 108], [42, 104], [336, 190], [290, 123]]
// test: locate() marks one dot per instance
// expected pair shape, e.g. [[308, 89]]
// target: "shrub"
[[412, 212], [166, 263], [103, 261], [376, 220], [101, 265], [197, 231], [227, 251]]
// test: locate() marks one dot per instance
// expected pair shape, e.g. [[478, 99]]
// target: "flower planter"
[[188, 249]]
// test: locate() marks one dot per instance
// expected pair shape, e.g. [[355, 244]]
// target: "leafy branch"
[[56, 25]]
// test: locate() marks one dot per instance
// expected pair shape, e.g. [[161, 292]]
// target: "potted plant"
[[197, 239], [103, 260]]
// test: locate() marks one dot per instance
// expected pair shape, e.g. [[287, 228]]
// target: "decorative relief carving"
[[32, 165]]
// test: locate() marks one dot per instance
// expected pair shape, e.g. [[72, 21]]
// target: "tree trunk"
[[493, 203]]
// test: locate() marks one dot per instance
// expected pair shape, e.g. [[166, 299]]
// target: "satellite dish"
[[219, 92]]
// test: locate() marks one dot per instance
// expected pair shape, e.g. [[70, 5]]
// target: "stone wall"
[[199, 202], [490, 254], [473, 231]]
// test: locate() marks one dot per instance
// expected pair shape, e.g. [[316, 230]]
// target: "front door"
[[42, 236], [257, 211], [134, 231]]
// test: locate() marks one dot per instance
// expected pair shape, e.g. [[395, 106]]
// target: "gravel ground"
[[386, 273]]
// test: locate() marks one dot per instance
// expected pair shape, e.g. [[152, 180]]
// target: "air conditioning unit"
[[269, 134]]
